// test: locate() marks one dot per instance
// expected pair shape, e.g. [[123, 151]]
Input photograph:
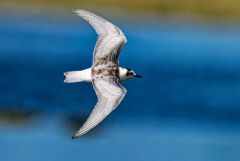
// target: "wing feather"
[[109, 93], [110, 38]]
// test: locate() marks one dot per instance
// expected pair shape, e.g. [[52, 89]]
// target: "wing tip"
[[76, 10], [80, 11], [78, 134], [74, 137]]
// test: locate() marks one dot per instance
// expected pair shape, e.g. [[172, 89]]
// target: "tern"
[[105, 72]]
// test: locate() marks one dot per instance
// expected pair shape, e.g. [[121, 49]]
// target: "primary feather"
[[110, 38]]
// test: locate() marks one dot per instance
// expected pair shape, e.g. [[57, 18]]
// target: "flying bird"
[[105, 72]]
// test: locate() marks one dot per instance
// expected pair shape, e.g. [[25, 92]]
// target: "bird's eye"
[[129, 73]]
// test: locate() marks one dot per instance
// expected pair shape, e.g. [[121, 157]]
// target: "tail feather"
[[72, 77]]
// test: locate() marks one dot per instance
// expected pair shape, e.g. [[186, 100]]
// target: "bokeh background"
[[187, 107]]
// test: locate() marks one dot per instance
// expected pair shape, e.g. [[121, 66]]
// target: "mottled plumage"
[[105, 72]]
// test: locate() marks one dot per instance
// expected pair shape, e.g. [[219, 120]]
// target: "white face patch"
[[126, 74]]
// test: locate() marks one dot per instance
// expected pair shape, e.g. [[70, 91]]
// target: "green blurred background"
[[220, 9]]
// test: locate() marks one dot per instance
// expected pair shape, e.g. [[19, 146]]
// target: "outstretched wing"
[[110, 38], [109, 93]]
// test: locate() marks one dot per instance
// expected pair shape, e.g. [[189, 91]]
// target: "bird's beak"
[[138, 76]]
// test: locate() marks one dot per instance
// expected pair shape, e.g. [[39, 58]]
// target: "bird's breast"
[[105, 71]]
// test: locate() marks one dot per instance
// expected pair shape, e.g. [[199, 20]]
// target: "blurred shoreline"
[[221, 11]]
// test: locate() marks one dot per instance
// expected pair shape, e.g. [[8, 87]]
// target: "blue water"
[[185, 108]]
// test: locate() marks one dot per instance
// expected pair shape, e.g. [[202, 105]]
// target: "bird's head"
[[131, 74], [127, 73]]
